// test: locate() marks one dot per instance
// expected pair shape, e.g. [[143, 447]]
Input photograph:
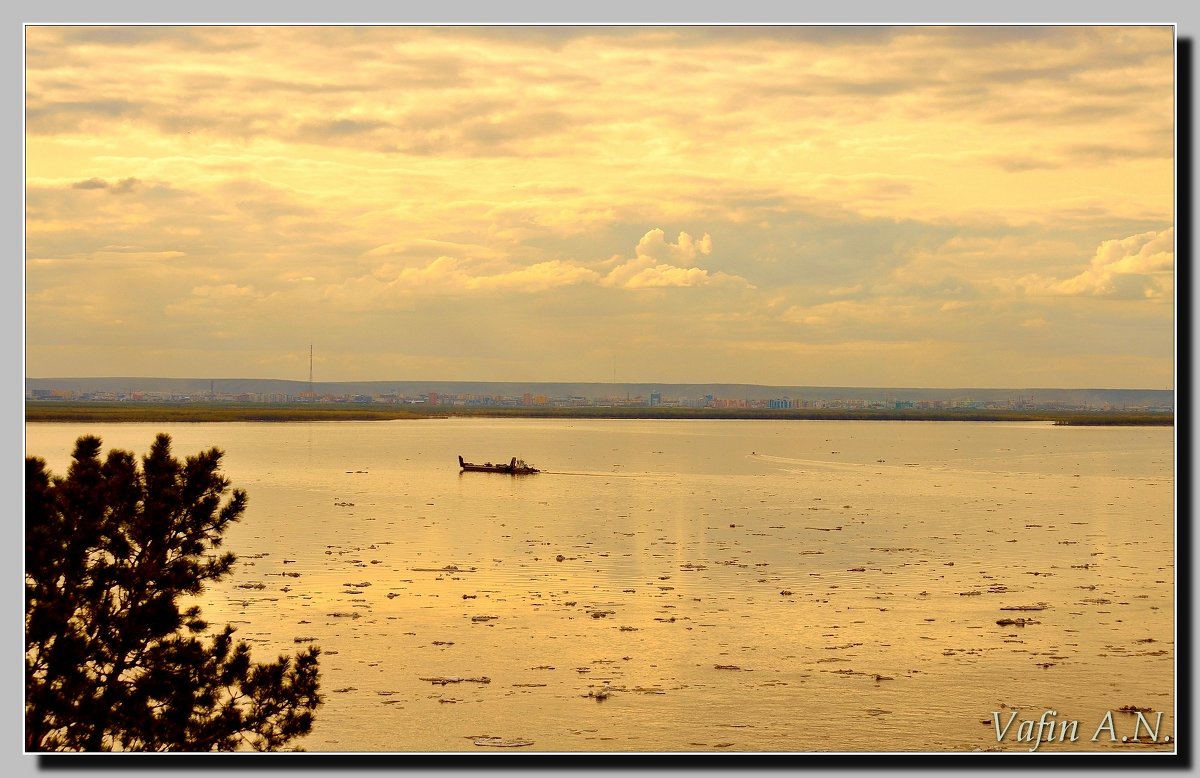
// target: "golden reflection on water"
[[701, 585]]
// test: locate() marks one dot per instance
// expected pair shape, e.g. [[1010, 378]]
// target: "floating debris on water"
[[726, 595], [500, 742]]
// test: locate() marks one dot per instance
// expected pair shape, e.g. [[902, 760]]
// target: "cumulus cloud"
[[683, 251], [1138, 266], [660, 263], [667, 275], [657, 263]]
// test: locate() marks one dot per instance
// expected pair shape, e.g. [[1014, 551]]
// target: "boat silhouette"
[[513, 467]]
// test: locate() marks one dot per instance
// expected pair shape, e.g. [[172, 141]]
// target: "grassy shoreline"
[[58, 411]]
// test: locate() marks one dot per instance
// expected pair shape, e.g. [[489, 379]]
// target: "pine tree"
[[112, 662]]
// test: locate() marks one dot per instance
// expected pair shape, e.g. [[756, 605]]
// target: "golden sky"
[[903, 206]]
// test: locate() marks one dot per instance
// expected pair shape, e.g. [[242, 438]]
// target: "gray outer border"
[[1185, 18]]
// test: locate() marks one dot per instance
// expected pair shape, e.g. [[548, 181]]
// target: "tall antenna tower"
[[311, 397]]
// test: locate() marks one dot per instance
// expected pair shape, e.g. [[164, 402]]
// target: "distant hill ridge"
[[202, 386]]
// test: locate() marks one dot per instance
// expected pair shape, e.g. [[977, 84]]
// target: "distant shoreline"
[[67, 411]]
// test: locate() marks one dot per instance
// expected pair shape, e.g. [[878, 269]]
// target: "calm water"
[[699, 585]]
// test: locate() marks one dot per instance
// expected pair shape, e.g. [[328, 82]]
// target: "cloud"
[[659, 263], [938, 181], [655, 246], [48, 115], [867, 186], [223, 291], [668, 275], [1078, 155], [335, 130], [1139, 266], [124, 186], [448, 276]]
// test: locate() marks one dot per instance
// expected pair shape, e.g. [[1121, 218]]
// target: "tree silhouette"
[[111, 660]]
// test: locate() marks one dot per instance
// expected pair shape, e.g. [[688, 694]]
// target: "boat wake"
[[598, 474]]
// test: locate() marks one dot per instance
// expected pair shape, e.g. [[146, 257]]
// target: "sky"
[[954, 206]]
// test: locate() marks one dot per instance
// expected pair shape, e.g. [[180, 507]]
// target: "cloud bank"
[[782, 205]]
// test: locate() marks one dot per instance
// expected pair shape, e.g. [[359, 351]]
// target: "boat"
[[513, 467]]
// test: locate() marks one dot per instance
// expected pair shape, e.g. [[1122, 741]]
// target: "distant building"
[[655, 399]]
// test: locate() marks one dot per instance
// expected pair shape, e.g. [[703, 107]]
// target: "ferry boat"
[[513, 467]]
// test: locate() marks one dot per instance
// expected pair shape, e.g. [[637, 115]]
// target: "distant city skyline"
[[711, 395], [782, 205]]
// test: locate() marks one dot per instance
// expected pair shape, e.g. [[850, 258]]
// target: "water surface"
[[699, 585]]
